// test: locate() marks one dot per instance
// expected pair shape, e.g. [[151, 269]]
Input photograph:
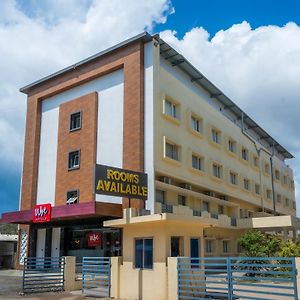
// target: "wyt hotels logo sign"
[[42, 213]]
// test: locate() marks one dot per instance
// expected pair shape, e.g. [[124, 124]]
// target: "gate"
[[96, 276], [237, 278], [43, 274]]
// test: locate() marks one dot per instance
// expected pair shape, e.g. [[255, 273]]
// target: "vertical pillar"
[[285, 234], [295, 234], [115, 277], [70, 265], [172, 291], [297, 265]]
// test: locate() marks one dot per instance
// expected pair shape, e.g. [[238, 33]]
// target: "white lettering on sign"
[[41, 211], [94, 237]]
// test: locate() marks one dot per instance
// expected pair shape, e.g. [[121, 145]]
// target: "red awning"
[[65, 212]]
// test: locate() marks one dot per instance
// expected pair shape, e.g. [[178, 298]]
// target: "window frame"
[[181, 200], [136, 265], [246, 184], [245, 154], [80, 121], [200, 162], [174, 147], [67, 198], [215, 136], [232, 145], [231, 174], [174, 113], [218, 167], [199, 123], [209, 247], [70, 168]]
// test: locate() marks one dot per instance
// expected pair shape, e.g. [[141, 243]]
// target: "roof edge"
[[144, 36]]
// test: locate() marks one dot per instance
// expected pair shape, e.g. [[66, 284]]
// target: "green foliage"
[[257, 244], [289, 249], [8, 228]]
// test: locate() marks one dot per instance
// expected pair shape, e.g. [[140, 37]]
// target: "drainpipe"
[[258, 150]]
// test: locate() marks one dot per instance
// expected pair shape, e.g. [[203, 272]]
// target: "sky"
[[249, 49]]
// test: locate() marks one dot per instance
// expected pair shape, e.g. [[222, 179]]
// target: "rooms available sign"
[[120, 182]]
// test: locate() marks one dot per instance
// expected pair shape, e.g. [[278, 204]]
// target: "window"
[[72, 197], [232, 146], [216, 136], [171, 109], [209, 246], [269, 194], [160, 196], [233, 178], [221, 209], [294, 205], [74, 160], [196, 124], [225, 246], [245, 155], [75, 121], [172, 151], [197, 162], [287, 202], [175, 246], [277, 175], [255, 161], [285, 179], [246, 184], [205, 206], [278, 198], [257, 189], [144, 253], [267, 168], [292, 184], [217, 171], [181, 200]]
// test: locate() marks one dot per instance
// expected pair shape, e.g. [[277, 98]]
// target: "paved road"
[[11, 283]]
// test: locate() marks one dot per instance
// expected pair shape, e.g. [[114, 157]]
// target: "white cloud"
[[40, 37], [259, 69]]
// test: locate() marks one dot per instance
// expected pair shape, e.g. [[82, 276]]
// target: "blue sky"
[[215, 15], [251, 63]]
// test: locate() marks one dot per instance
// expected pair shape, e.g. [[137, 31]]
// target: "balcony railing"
[[233, 222], [166, 208], [197, 213], [214, 216]]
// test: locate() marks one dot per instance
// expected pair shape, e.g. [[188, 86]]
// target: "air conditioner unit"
[[165, 179], [187, 186]]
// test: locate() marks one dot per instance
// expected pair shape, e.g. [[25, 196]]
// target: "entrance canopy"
[[90, 209]]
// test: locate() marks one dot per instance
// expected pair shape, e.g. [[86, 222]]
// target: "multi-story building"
[[213, 172]]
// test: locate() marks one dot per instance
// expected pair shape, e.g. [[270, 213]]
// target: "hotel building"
[[213, 172]]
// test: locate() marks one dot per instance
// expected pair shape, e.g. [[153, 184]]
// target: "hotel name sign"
[[120, 182]]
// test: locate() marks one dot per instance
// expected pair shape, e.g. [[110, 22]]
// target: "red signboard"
[[42, 213], [94, 239]]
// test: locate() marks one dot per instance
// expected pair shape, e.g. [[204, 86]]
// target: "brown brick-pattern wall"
[[131, 59], [133, 148], [31, 153], [85, 140]]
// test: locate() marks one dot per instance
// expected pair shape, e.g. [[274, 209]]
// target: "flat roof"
[[178, 60]]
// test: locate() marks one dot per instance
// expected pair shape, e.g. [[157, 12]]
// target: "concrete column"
[[285, 234], [172, 278], [115, 277], [70, 265], [297, 263], [295, 234]]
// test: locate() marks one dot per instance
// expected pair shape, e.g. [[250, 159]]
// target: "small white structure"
[[8, 247]]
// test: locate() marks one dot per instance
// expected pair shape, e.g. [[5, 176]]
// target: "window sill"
[[172, 161], [74, 168], [232, 154], [171, 119], [75, 129], [196, 133], [217, 179], [245, 162], [197, 171], [214, 144]]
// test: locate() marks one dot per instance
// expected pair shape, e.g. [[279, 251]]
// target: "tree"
[[289, 249], [8, 228], [257, 244]]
